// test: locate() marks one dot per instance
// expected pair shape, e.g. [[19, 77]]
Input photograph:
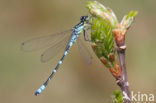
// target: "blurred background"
[[22, 73]]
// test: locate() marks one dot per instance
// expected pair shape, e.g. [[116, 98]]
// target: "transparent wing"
[[52, 51], [44, 41], [84, 52]]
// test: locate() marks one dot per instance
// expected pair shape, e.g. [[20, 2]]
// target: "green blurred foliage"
[[128, 19], [117, 97], [102, 37]]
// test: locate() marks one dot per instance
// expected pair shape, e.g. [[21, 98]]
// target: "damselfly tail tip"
[[40, 90], [37, 93]]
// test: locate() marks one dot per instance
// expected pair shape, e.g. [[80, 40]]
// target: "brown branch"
[[122, 81]]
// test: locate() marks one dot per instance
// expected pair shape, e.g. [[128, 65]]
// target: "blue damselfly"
[[58, 41]]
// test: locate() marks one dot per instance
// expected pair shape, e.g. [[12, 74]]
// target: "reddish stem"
[[123, 83]]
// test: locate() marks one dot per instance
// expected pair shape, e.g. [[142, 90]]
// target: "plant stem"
[[123, 82]]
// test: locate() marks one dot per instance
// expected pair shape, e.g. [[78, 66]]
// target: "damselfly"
[[65, 39]]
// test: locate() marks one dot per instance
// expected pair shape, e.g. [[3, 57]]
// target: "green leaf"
[[128, 19], [131, 14], [102, 36], [103, 22], [98, 10], [117, 97]]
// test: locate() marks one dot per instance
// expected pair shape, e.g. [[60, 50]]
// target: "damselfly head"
[[84, 18]]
